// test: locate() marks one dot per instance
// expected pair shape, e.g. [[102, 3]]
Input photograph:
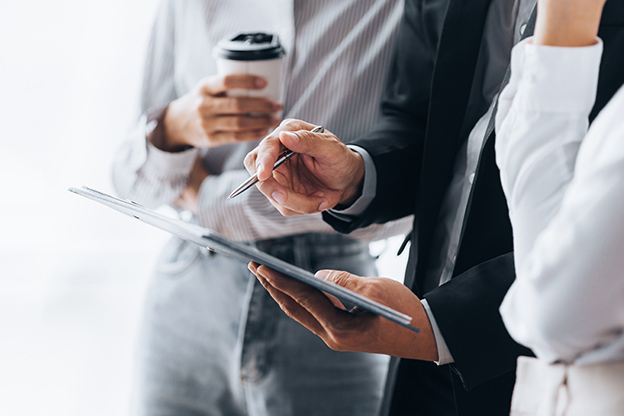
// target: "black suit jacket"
[[425, 112]]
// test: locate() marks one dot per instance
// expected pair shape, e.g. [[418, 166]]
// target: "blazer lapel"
[[486, 231], [460, 42]]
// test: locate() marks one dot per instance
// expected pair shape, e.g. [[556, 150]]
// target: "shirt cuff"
[[557, 79], [167, 164], [444, 354], [369, 189]]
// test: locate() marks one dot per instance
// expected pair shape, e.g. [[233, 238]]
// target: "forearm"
[[569, 23], [567, 302], [135, 175], [147, 175], [542, 119]]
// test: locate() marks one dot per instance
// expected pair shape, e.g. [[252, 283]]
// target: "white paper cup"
[[258, 54]]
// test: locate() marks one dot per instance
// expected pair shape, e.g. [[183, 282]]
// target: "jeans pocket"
[[176, 258]]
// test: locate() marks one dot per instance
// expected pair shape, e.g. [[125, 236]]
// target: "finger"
[[250, 161], [340, 278], [239, 123], [252, 266], [265, 156], [288, 201], [270, 148], [335, 301], [292, 308], [347, 280], [238, 105], [218, 85], [303, 305]]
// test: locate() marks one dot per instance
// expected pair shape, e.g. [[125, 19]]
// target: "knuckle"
[[306, 300], [204, 106], [340, 338], [237, 105], [240, 136], [239, 122], [208, 126], [288, 122], [340, 277], [372, 289]]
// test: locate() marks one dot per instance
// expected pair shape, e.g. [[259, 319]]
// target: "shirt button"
[[522, 29]]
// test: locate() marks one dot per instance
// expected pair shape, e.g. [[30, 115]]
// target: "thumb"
[[339, 277], [328, 275]]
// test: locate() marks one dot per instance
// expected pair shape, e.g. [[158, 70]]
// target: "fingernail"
[[324, 206], [278, 197], [251, 268], [260, 83], [322, 274]]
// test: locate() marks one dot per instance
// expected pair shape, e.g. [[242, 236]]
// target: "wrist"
[[159, 131], [354, 190]]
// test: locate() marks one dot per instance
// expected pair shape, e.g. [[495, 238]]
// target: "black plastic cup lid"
[[250, 47]]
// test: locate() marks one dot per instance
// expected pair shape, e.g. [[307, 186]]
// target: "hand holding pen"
[[324, 173], [284, 156]]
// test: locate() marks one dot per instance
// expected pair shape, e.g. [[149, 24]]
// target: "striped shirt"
[[338, 52]]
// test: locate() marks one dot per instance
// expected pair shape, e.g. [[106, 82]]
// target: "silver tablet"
[[243, 252]]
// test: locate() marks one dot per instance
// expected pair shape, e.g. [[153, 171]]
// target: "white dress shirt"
[[565, 189], [332, 77]]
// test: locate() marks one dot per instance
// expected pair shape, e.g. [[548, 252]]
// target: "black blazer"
[[425, 115]]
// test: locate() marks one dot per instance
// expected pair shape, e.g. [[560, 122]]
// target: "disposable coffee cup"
[[258, 54]]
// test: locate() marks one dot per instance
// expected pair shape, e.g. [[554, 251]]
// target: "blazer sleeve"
[[466, 311], [396, 144]]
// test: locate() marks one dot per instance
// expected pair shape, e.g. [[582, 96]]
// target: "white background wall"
[[72, 273]]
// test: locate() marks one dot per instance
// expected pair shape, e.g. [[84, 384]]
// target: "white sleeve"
[[540, 123], [142, 172], [566, 194]]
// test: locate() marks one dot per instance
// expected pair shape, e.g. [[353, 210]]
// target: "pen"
[[286, 154]]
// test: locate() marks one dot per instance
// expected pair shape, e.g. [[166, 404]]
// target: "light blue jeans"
[[213, 342]]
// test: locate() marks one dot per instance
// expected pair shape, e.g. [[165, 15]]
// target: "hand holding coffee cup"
[[228, 107], [259, 54]]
